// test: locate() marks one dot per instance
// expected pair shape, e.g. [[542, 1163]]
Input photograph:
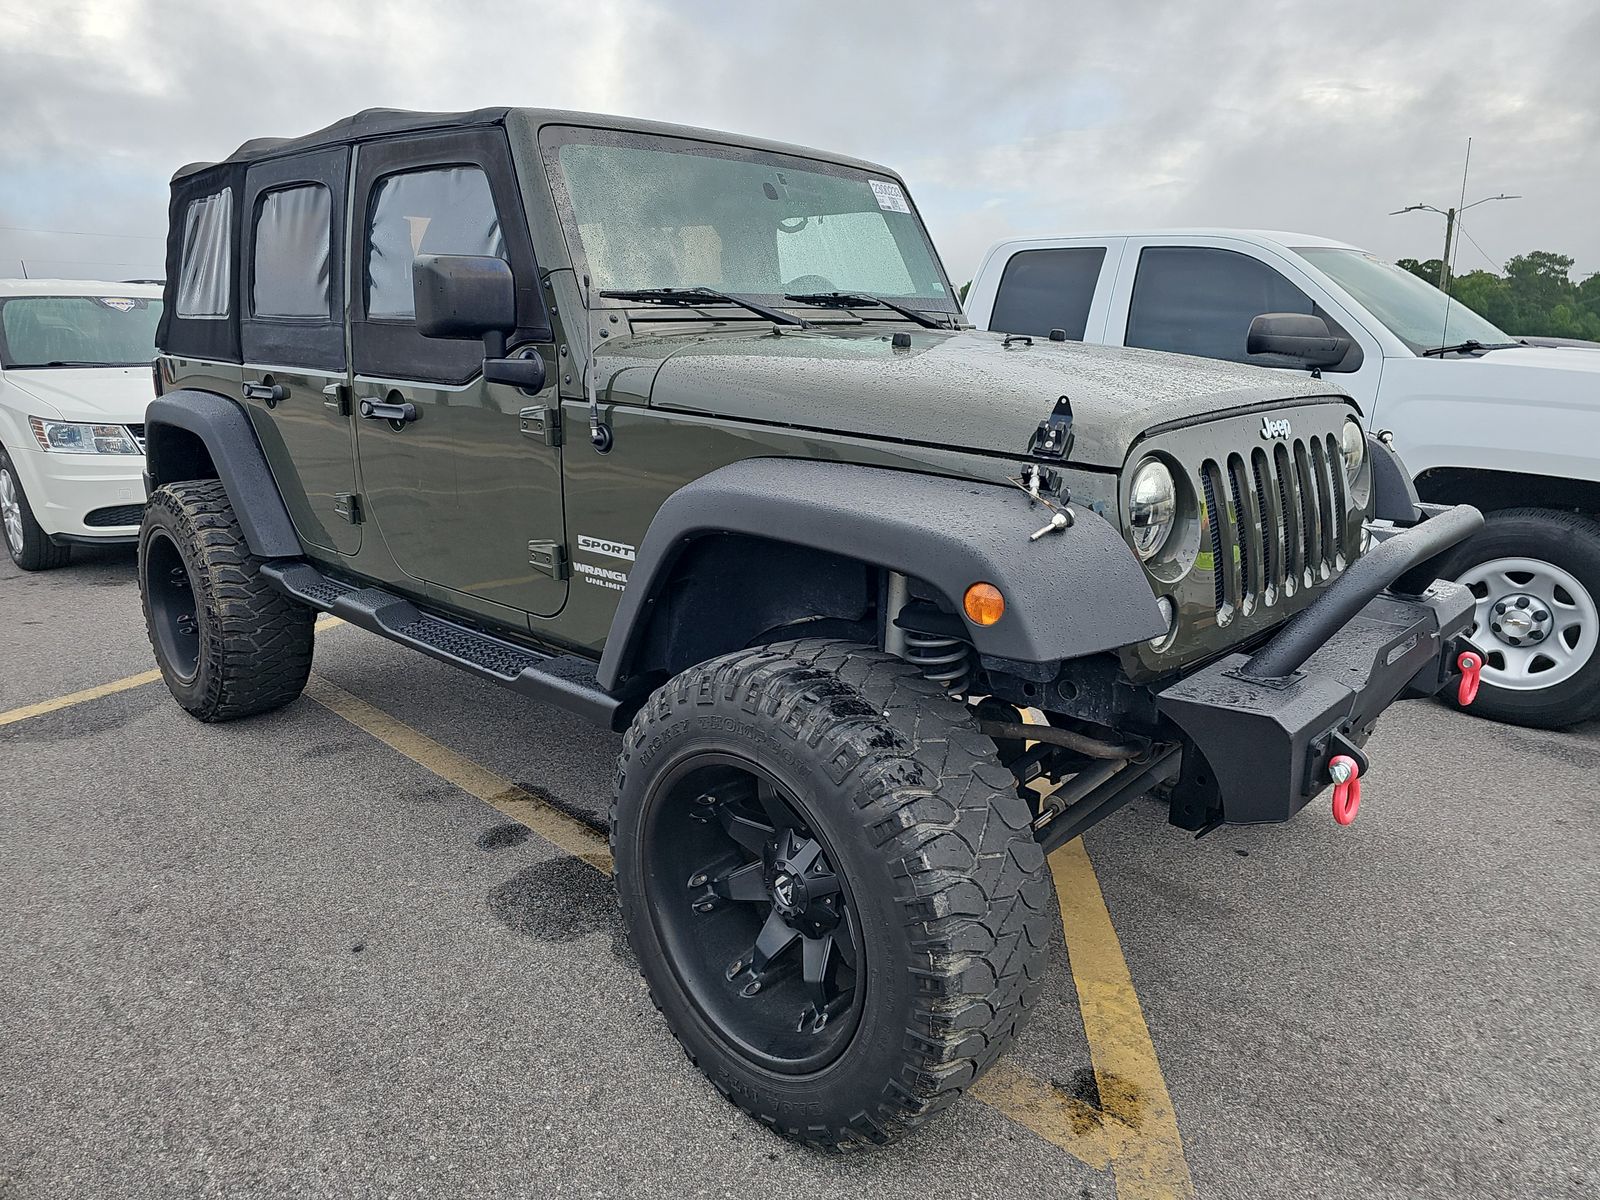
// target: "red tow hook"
[[1471, 675], [1346, 774]]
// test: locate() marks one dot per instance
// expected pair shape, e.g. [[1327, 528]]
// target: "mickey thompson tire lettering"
[[254, 644], [936, 851]]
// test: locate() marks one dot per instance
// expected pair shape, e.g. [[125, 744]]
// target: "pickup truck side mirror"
[[468, 296], [1296, 335]]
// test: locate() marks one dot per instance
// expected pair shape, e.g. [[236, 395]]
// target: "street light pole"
[[1451, 216], [1444, 263]]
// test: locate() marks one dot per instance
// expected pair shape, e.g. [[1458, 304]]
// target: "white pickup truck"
[[1476, 415]]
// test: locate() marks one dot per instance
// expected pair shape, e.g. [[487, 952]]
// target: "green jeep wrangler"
[[686, 433]]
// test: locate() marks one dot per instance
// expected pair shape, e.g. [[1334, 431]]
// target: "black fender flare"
[[224, 429], [1076, 592]]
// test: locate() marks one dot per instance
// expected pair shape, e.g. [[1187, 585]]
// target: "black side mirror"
[[466, 296], [1296, 335]]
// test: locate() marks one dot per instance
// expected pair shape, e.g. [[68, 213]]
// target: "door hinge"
[[336, 396], [542, 424], [348, 506], [548, 558]]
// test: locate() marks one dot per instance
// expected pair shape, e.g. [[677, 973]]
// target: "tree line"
[[1536, 296]]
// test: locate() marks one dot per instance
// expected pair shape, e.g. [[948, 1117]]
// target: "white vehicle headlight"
[[70, 437], [1352, 448], [1152, 507]]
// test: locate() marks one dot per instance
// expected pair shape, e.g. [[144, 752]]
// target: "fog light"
[[984, 604], [1169, 614]]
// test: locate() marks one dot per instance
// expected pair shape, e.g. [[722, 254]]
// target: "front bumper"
[[1260, 730], [84, 498]]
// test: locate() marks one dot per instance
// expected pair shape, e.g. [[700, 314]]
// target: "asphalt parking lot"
[[322, 953]]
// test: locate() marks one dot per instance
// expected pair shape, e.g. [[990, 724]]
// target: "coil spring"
[[945, 660]]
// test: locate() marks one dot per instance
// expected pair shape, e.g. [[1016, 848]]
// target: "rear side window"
[[206, 275], [290, 272], [444, 210], [1043, 290], [1198, 300]]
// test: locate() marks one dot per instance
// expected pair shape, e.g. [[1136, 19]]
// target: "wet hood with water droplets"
[[965, 390]]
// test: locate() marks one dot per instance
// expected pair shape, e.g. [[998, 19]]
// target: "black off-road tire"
[[34, 551], [1569, 542], [936, 850], [250, 649]]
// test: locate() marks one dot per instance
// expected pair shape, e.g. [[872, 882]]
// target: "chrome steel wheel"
[[1537, 625], [11, 510]]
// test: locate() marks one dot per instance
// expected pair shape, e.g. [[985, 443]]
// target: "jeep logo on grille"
[[1271, 429]]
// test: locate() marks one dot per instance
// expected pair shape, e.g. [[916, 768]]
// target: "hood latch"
[[1053, 438]]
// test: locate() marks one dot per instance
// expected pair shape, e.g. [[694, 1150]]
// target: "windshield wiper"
[[70, 362], [696, 295], [1470, 346], [864, 300]]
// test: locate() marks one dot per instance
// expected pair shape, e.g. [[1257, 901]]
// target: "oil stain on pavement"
[[561, 900]]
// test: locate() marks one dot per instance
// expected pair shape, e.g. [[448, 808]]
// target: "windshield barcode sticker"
[[890, 197]]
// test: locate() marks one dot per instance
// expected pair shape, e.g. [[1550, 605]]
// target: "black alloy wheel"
[[761, 929], [174, 613], [831, 886]]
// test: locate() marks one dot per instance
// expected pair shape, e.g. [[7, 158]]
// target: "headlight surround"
[[1352, 448], [75, 437], [1152, 507]]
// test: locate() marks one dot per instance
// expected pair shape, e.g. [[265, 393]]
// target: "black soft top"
[[369, 123], [382, 122]]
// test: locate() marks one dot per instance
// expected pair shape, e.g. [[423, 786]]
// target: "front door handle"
[[382, 410], [265, 389]]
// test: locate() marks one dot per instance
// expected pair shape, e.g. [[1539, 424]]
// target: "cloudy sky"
[[1034, 116]]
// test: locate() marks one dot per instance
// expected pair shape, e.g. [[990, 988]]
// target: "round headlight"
[[1352, 448], [1152, 507]]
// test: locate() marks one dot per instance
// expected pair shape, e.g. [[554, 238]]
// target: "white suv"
[[1480, 417], [74, 381]]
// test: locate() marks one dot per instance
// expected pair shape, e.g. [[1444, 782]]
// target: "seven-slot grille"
[[137, 433], [1274, 520]]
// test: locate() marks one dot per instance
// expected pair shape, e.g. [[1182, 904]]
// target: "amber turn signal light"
[[984, 604]]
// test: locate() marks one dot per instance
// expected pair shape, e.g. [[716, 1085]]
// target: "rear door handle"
[[382, 410], [262, 389]]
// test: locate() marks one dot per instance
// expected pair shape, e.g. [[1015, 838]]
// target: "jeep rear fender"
[[1071, 593], [200, 435]]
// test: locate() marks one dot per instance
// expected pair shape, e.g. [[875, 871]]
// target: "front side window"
[[1415, 311], [78, 331], [290, 268], [1197, 300], [655, 212], [1043, 290], [205, 277], [441, 210]]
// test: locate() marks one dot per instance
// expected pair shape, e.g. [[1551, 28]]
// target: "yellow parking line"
[[71, 698], [1138, 1120], [553, 825], [106, 689], [1135, 1129]]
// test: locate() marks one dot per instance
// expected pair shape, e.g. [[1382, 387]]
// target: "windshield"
[[1412, 308], [78, 331], [656, 212]]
